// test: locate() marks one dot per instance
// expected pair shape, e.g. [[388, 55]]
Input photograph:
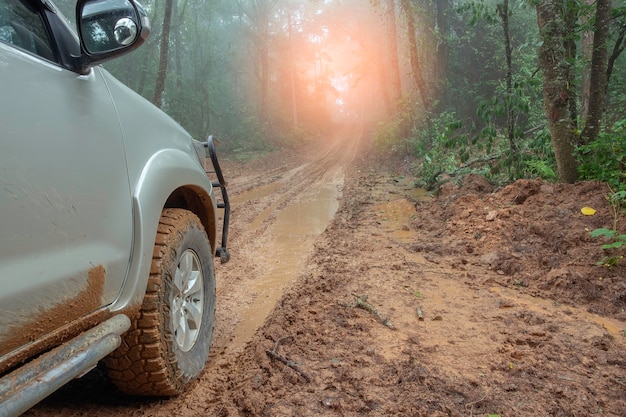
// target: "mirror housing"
[[108, 29]]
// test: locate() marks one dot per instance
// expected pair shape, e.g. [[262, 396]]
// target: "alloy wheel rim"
[[188, 300]]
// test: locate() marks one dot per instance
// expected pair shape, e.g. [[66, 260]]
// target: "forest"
[[413, 230], [504, 88]]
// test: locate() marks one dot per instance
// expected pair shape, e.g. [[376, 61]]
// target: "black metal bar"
[[221, 184]]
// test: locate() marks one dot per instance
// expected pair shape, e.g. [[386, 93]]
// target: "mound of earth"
[[533, 234]]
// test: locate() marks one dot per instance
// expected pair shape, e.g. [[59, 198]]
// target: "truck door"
[[65, 203]]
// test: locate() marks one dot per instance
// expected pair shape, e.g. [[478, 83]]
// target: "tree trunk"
[[385, 83], [503, 12], [163, 55], [443, 7], [292, 77], [570, 14], [587, 52], [180, 111], [259, 13], [416, 67], [394, 66], [597, 78], [556, 82], [618, 48]]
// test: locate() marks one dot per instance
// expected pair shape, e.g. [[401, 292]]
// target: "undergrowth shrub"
[[605, 158]]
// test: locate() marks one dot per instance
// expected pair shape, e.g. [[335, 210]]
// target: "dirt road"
[[350, 293]]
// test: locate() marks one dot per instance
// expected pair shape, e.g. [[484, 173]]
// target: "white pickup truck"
[[109, 222]]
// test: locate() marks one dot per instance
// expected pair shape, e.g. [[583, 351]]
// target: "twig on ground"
[[274, 355], [471, 405], [361, 302]]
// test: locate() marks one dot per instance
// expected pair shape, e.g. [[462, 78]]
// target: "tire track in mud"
[[262, 211], [254, 222]]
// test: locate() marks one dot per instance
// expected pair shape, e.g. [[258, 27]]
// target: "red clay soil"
[[474, 302]]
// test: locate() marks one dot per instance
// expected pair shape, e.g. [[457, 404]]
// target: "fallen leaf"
[[588, 211]]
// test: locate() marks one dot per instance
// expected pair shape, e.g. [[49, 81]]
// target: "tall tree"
[[556, 20], [392, 42], [390, 90], [620, 42], [557, 81], [259, 15], [443, 8], [587, 51], [292, 75], [164, 46], [503, 12], [598, 76], [416, 65]]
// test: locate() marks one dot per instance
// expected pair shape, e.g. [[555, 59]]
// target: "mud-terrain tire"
[[168, 343]]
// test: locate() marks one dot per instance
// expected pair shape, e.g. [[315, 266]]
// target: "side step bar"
[[225, 204], [31, 383]]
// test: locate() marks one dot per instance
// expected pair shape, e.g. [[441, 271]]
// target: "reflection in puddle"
[[296, 228]]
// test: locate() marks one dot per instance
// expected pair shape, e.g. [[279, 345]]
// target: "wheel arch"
[[170, 179], [201, 204]]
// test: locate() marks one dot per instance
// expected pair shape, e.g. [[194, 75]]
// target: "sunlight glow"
[[336, 60], [340, 83]]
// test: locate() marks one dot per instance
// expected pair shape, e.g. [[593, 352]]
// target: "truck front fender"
[[168, 179]]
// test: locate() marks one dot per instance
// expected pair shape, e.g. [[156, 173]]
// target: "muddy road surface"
[[352, 293]]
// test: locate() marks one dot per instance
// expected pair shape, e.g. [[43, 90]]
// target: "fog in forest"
[[272, 70], [455, 83]]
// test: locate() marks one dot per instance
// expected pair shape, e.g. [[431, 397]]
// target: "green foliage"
[[478, 11], [394, 135], [605, 158], [247, 138], [442, 146], [214, 86], [614, 238], [480, 101], [542, 169], [387, 134], [449, 145], [616, 241]]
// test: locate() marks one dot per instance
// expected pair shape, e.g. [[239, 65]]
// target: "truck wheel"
[[168, 343]]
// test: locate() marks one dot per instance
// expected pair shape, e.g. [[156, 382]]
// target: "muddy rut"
[[277, 212], [275, 221]]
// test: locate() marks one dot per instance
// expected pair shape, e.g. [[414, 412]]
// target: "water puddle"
[[396, 215], [254, 194], [293, 234], [418, 194]]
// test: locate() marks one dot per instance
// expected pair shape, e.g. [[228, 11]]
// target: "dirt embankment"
[[477, 302]]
